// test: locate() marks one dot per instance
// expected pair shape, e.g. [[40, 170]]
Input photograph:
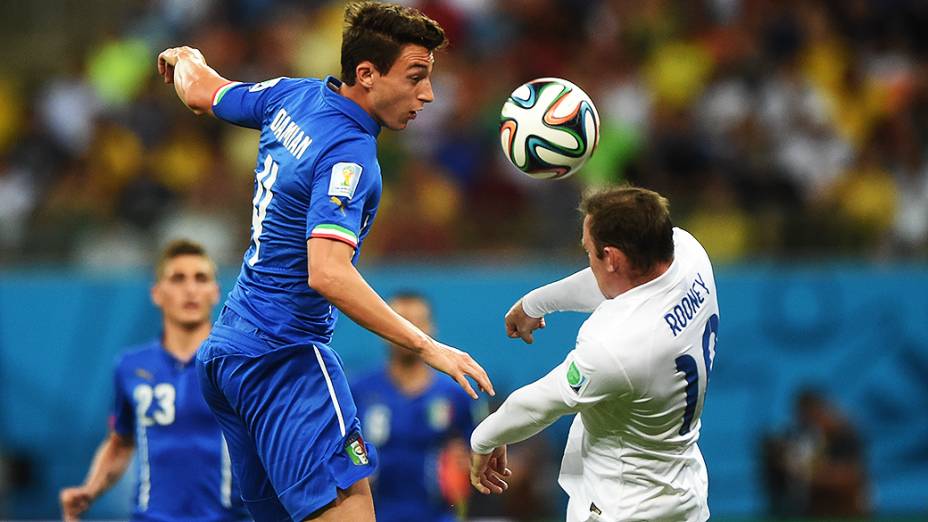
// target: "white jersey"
[[638, 379]]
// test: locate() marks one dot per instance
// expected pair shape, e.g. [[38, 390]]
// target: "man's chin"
[[192, 323], [398, 126]]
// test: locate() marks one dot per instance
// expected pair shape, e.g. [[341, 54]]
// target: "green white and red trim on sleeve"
[[335, 232], [222, 90]]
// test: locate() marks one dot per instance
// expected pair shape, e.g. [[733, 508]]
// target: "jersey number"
[[687, 365], [265, 181], [144, 395]]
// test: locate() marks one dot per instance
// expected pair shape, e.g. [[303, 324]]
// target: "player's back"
[[659, 340], [316, 175]]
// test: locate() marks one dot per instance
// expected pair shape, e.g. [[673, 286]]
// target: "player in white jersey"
[[637, 376]]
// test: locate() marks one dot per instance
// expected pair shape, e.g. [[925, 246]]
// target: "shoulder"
[[615, 335], [355, 141], [686, 247], [139, 352], [284, 84], [446, 386], [370, 380]]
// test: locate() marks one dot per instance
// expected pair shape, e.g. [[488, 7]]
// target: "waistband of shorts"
[[236, 330]]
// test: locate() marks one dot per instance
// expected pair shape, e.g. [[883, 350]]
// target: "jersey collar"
[[658, 284], [350, 108], [170, 359]]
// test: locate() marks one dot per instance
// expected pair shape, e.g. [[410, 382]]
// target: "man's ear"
[[364, 73], [156, 295], [615, 260]]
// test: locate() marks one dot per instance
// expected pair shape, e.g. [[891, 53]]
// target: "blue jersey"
[[410, 433], [316, 176], [184, 472]]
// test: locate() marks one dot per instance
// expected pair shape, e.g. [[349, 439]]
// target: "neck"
[[357, 94], [624, 284], [182, 342], [411, 376]]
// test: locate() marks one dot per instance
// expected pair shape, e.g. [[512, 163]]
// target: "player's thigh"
[[257, 491], [299, 410], [354, 503]]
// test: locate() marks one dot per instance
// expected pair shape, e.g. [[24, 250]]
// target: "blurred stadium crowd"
[[778, 128]]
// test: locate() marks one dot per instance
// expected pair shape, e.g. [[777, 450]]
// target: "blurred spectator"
[[816, 468], [759, 118]]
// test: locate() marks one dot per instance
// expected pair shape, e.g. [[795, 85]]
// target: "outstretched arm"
[[526, 412], [194, 81], [575, 293], [109, 464], [332, 275]]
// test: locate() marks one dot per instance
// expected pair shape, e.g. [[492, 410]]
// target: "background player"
[[419, 421], [637, 375], [316, 194], [184, 472]]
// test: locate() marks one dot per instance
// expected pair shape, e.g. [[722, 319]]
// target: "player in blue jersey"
[[268, 373], [419, 421], [184, 470]]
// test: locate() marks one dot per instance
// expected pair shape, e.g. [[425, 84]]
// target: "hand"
[[520, 324], [488, 472], [459, 365], [169, 57], [74, 501]]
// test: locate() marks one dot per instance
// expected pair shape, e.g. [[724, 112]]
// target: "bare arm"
[[194, 81], [332, 275], [109, 464]]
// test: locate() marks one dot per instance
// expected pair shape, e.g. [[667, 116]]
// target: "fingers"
[[462, 381], [492, 482], [475, 481], [511, 330], [503, 461], [165, 69], [478, 464], [480, 375]]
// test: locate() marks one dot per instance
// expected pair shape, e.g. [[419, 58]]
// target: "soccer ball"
[[548, 128]]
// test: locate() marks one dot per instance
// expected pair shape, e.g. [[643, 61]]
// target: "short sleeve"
[[343, 182], [589, 375], [244, 104], [123, 414]]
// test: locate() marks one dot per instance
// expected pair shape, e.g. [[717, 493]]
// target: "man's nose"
[[426, 95]]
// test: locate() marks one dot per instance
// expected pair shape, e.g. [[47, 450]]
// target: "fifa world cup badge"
[[356, 449]]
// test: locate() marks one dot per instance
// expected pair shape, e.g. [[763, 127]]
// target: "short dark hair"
[[177, 248], [376, 32], [411, 295], [632, 219]]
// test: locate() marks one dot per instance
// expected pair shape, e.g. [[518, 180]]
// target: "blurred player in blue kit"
[[267, 371], [184, 471], [419, 421]]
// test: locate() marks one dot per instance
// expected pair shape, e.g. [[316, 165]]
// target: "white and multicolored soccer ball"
[[548, 128]]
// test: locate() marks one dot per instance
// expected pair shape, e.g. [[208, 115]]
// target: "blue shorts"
[[289, 420]]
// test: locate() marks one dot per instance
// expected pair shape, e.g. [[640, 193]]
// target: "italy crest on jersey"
[[356, 450], [439, 414]]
